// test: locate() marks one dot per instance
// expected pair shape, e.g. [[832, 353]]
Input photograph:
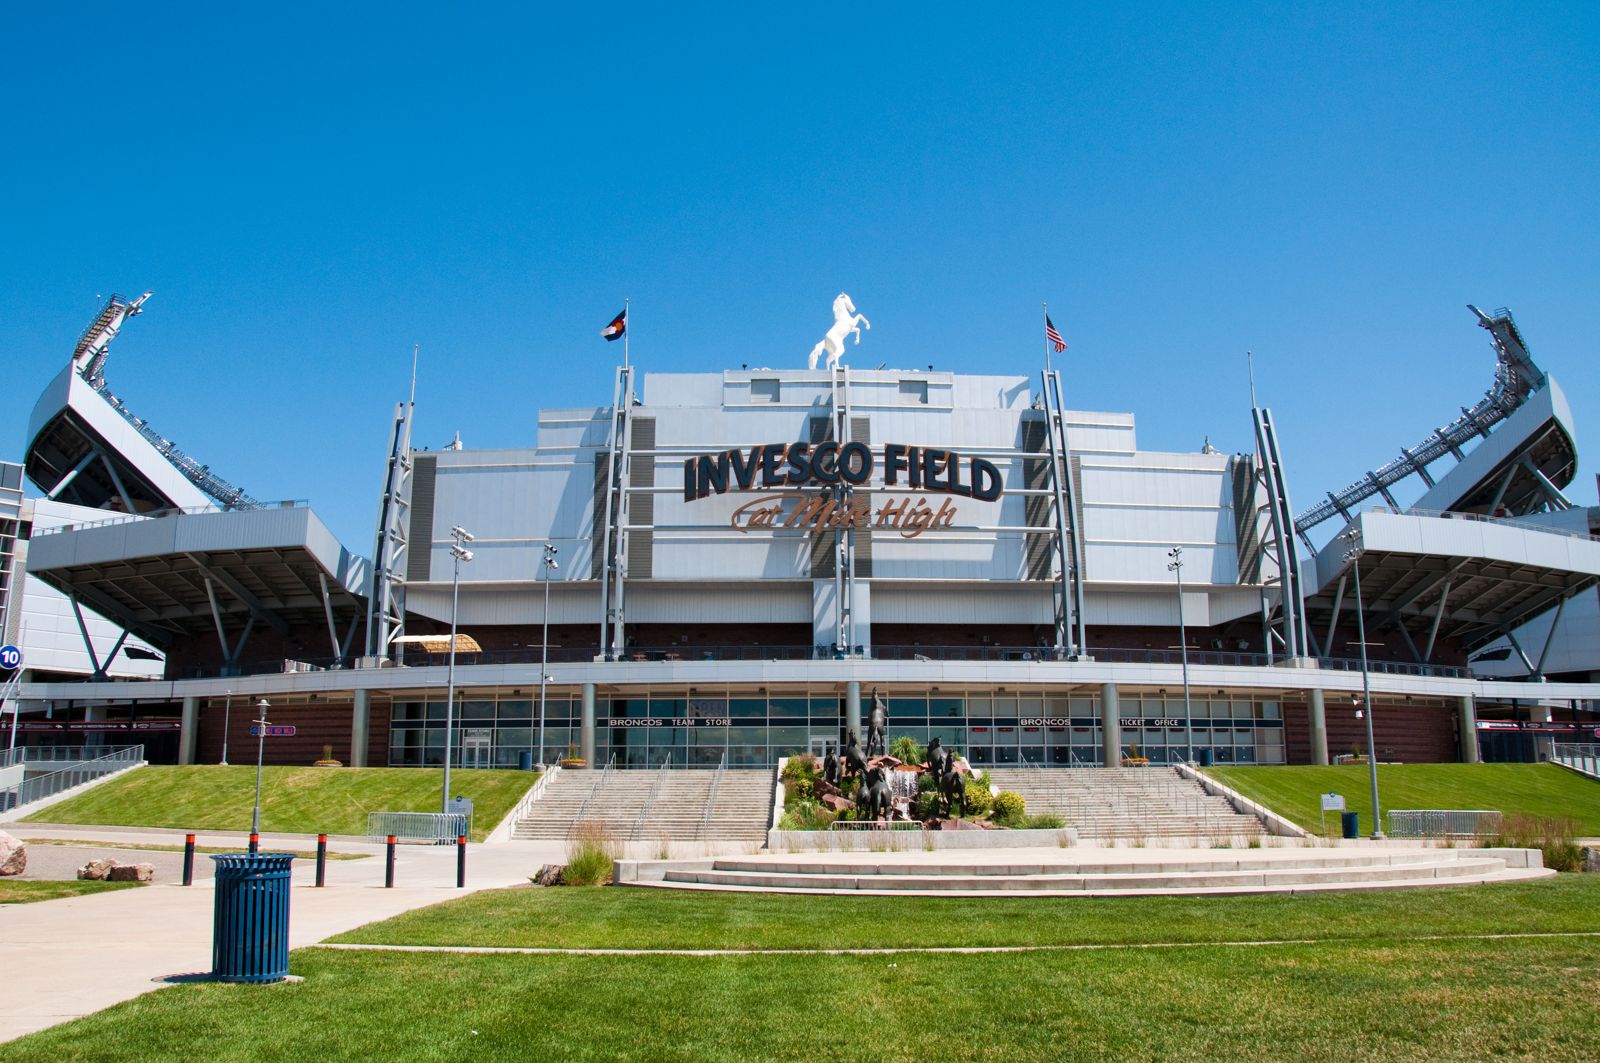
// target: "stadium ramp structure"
[[1525, 456], [87, 448]]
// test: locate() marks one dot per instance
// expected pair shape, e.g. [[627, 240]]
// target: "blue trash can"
[[1208, 758], [525, 760], [1352, 824], [250, 931]]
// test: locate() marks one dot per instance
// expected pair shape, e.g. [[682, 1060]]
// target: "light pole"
[[1353, 555], [1176, 565], [550, 567], [227, 710], [458, 554], [261, 748]]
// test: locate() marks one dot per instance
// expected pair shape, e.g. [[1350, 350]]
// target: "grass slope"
[[659, 919], [1434, 1000], [14, 892], [293, 800], [1538, 789]]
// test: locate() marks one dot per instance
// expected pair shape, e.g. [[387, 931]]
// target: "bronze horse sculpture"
[[877, 725], [936, 758], [830, 768], [874, 800], [854, 762], [952, 789]]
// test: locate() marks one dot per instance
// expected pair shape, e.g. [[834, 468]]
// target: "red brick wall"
[[316, 724], [1410, 732]]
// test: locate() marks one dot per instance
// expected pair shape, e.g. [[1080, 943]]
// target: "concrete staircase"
[[742, 810], [1128, 803], [1095, 873]]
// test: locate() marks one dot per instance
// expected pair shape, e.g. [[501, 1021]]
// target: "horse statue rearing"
[[845, 322], [878, 725], [854, 762]]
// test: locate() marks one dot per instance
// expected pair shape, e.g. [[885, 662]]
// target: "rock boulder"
[[96, 870], [132, 873], [13, 855]]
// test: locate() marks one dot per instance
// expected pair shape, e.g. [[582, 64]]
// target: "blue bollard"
[[250, 929]]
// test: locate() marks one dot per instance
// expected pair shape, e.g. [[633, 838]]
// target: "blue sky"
[[310, 191]]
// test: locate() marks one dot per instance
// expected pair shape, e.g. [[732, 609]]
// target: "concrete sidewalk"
[[68, 958]]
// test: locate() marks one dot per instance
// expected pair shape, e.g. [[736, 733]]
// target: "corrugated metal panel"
[[822, 545], [1246, 534], [602, 479], [419, 558], [642, 504], [1036, 508], [861, 432]]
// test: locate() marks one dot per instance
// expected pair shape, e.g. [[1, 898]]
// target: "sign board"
[[460, 806], [10, 658], [1333, 802], [275, 730]]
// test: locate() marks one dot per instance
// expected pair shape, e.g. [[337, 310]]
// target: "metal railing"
[[170, 511], [535, 792], [1583, 756], [1442, 823], [711, 798], [650, 798], [62, 754], [439, 828], [599, 784], [43, 786]]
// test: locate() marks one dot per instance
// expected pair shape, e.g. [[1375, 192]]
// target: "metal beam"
[[83, 463], [1433, 632], [257, 608], [327, 611], [1549, 640], [1333, 621], [88, 643]]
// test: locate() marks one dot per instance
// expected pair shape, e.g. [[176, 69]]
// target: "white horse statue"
[[845, 322]]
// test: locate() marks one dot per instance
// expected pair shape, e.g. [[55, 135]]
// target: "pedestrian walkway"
[[68, 958]]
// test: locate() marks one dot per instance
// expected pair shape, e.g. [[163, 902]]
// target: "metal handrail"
[[535, 792], [1580, 756], [54, 754], [650, 798], [605, 773], [170, 511], [711, 798], [1519, 523], [37, 789]]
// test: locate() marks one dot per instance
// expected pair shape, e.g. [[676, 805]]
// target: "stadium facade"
[[723, 567]]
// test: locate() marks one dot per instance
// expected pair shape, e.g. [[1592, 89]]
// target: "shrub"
[[592, 857], [1009, 808], [1043, 821], [906, 750], [979, 799], [927, 806], [805, 814], [799, 790], [849, 786], [801, 766], [1551, 835]]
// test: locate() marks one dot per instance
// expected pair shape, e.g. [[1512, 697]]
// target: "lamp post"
[[1176, 565], [550, 567], [261, 749], [227, 711], [1353, 555], [458, 554]]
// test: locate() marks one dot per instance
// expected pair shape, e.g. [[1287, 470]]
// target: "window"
[[914, 391], [764, 390]]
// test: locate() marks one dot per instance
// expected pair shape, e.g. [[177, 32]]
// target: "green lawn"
[[1460, 1000], [1537, 789], [635, 918], [13, 891], [293, 800]]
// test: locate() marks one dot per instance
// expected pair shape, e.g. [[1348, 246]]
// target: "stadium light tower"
[[550, 567], [1353, 555], [458, 554], [1176, 565]]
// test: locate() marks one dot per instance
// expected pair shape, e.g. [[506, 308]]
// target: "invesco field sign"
[[800, 464]]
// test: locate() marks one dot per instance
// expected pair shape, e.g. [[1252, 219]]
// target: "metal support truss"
[[1071, 635], [1516, 377], [1286, 630], [614, 540], [386, 603], [844, 539]]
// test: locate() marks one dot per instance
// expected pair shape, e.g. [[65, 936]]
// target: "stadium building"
[[723, 567]]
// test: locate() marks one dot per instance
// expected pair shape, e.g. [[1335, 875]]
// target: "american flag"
[[1053, 336]]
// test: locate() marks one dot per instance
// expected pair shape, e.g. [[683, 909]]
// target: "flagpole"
[[627, 327], [1046, 312]]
